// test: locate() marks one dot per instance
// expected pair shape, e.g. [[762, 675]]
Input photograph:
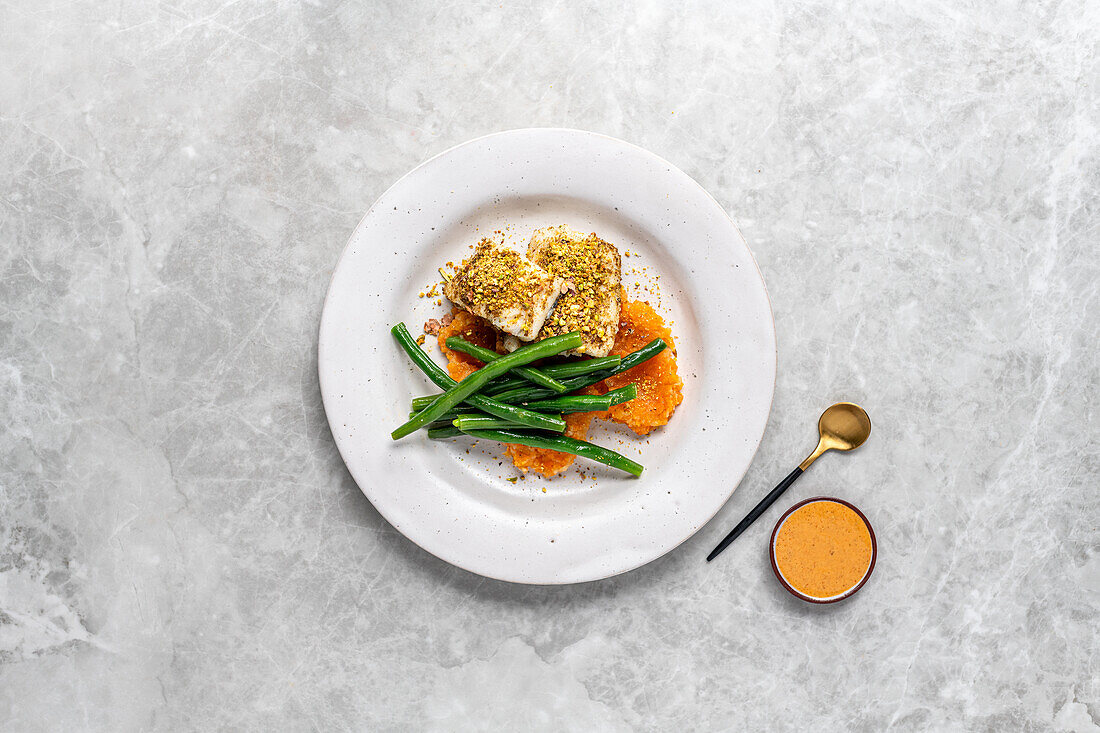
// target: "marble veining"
[[180, 545]]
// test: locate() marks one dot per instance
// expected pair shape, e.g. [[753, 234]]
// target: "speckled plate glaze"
[[453, 498]]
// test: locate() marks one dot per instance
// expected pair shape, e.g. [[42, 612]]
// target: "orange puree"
[[823, 549], [660, 388], [551, 462], [475, 330]]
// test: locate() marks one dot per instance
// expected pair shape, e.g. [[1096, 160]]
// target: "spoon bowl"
[[845, 425]]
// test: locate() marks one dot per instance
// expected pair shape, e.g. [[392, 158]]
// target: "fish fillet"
[[592, 270], [505, 288]]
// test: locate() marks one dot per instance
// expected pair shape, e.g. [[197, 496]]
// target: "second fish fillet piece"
[[592, 270]]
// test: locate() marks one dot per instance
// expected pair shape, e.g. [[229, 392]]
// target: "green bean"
[[577, 368], [631, 360], [419, 403], [523, 394], [444, 429], [530, 394], [558, 371], [623, 394], [565, 404], [483, 422], [449, 428], [488, 355], [443, 381], [563, 444], [585, 403], [462, 410], [471, 384], [571, 403]]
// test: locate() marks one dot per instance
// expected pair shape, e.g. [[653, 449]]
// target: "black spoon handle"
[[757, 510]]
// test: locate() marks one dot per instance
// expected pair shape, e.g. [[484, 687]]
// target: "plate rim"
[[638, 150]]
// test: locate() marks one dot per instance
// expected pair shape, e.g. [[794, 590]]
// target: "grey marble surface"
[[180, 545]]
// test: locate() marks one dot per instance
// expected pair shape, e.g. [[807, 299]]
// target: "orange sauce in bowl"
[[823, 549]]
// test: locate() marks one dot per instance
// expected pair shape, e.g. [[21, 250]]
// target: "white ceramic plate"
[[453, 498]]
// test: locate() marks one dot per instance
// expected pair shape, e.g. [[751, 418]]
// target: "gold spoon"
[[844, 426]]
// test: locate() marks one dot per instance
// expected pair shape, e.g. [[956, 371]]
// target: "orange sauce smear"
[[474, 329], [823, 549], [660, 388]]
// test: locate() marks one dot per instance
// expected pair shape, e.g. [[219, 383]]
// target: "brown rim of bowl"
[[851, 591]]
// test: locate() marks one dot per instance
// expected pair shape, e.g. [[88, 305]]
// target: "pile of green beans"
[[529, 418], [511, 402]]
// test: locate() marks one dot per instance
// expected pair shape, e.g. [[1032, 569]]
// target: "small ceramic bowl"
[[831, 599]]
